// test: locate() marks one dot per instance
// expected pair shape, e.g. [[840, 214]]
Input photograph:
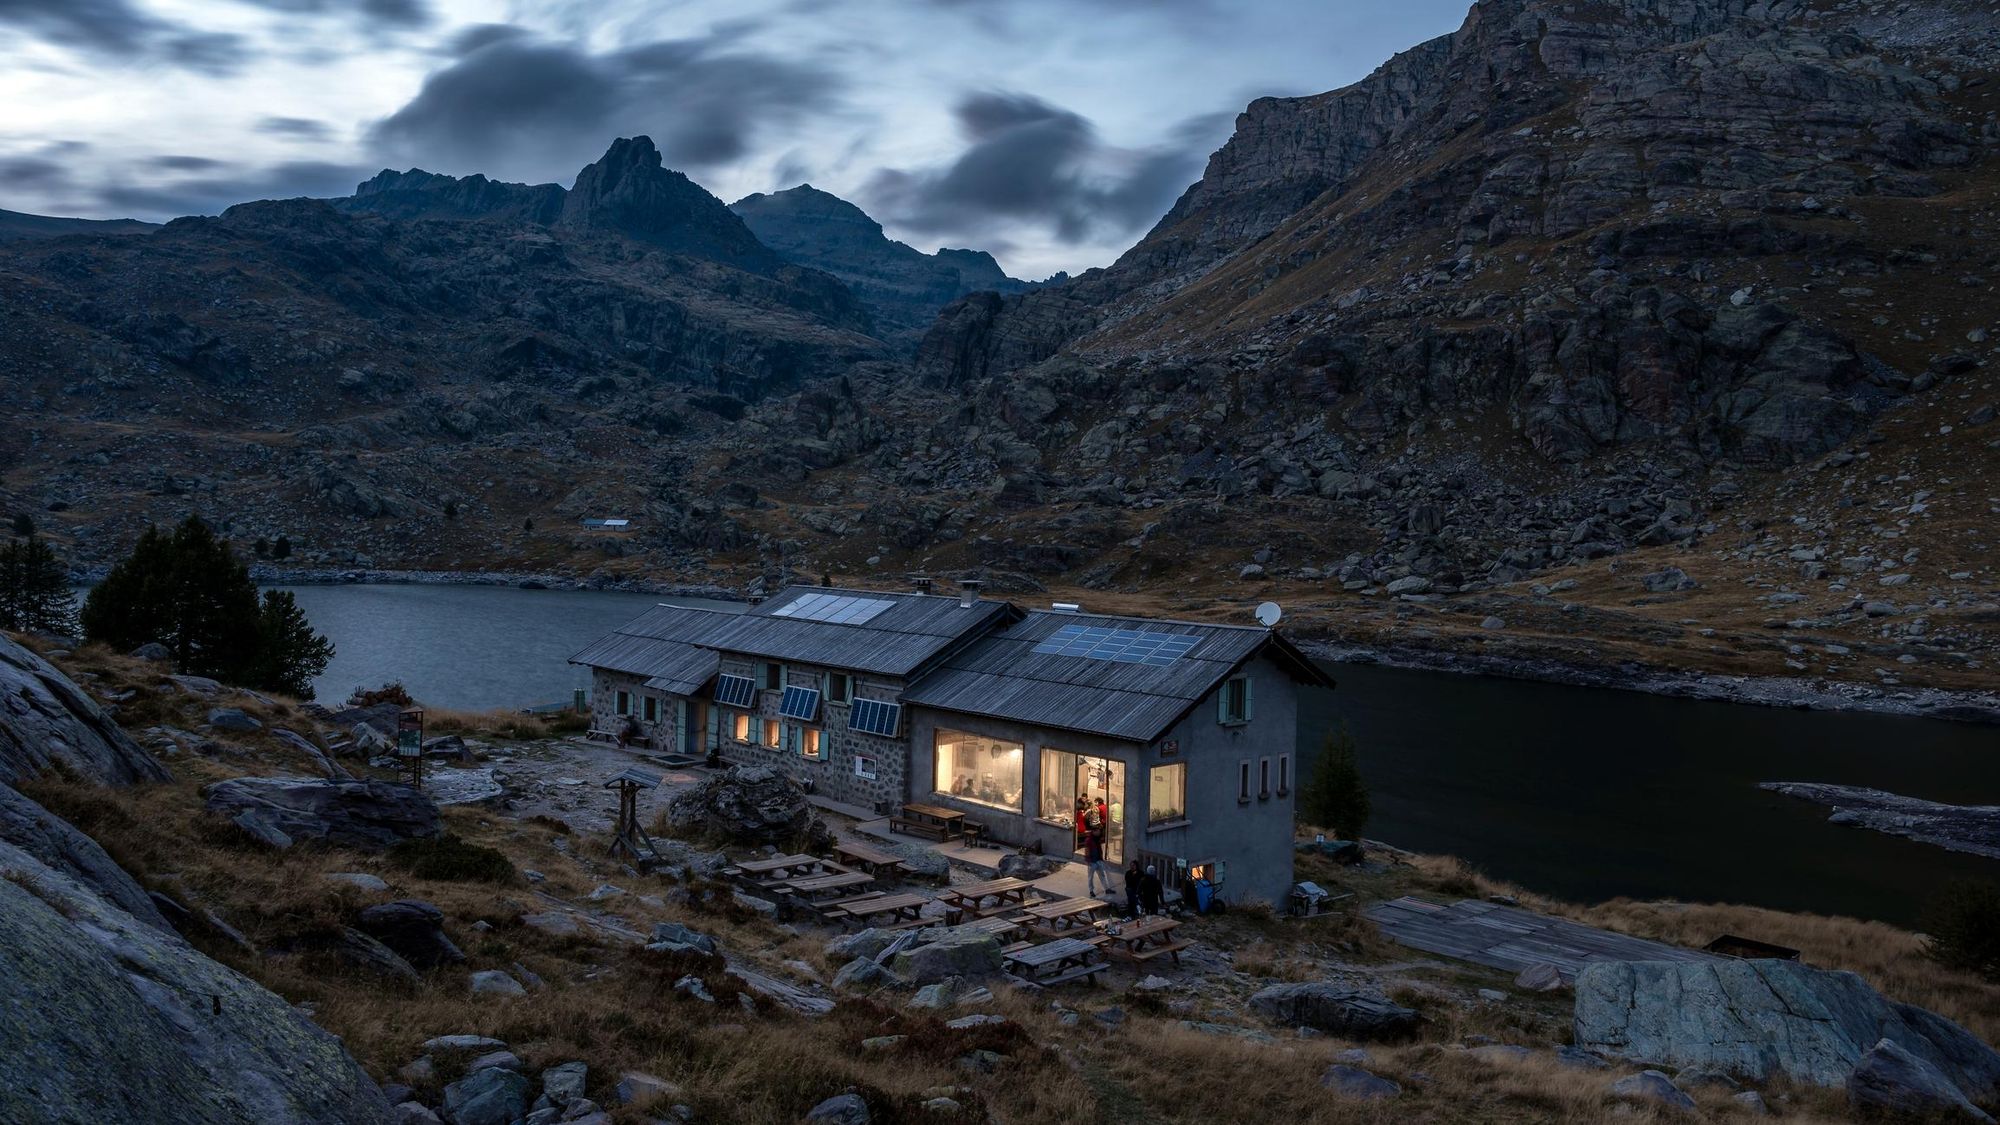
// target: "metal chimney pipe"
[[968, 592]]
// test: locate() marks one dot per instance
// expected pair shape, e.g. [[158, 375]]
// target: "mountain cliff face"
[[417, 194], [629, 192], [903, 286]]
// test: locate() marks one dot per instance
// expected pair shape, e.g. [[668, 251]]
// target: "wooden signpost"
[[629, 835], [410, 744]]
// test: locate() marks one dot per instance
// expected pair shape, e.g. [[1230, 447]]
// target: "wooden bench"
[[1172, 948], [1081, 972], [936, 832]]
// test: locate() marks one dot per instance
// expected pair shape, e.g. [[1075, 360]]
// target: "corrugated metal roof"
[[1005, 677], [659, 645]]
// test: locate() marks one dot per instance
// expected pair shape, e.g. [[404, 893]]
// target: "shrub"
[[392, 692], [1336, 798], [1964, 927], [451, 859]]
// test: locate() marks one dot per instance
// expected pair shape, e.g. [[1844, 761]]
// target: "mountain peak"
[[630, 190]]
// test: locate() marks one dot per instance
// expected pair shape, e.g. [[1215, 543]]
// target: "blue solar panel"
[[838, 609], [735, 691], [1122, 646], [800, 703], [872, 716]]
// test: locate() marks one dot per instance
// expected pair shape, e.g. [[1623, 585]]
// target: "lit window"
[[972, 767], [774, 676], [1243, 780], [836, 687], [809, 744], [624, 703], [1284, 774], [740, 726], [1233, 701], [773, 730], [1167, 793]]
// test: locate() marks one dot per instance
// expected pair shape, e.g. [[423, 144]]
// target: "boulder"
[[953, 953], [365, 953], [862, 973], [678, 937], [1757, 1020], [153, 652], [1353, 1082], [493, 1096], [1671, 580], [841, 1109], [1890, 1081], [751, 805], [493, 982], [356, 814], [233, 719], [1025, 866], [414, 929], [359, 880], [637, 1088], [563, 1083], [193, 1039], [1651, 1087], [1347, 1012], [481, 1043], [44, 718], [868, 943], [1540, 978], [55, 842]]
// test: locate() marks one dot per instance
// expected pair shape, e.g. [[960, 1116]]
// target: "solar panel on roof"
[[1122, 646], [735, 691], [800, 703], [838, 609], [875, 717]]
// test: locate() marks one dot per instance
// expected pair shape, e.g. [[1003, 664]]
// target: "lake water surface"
[[1585, 793]]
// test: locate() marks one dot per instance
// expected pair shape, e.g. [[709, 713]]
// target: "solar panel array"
[[800, 703], [1122, 646], [735, 691], [873, 716], [837, 609]]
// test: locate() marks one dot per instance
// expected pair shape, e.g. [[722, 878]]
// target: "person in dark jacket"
[[1134, 875], [1093, 863], [1150, 891]]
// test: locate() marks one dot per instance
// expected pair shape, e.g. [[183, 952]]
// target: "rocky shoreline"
[[1762, 691], [1972, 829]]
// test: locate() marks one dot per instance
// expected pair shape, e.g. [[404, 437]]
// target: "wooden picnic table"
[[972, 896], [816, 885], [930, 820], [1002, 928], [1068, 912], [900, 908], [867, 856], [780, 868], [1145, 938], [1055, 962]]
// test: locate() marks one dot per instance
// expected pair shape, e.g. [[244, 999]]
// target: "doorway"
[[1068, 780]]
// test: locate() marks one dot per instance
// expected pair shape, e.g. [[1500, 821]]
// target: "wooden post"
[[629, 836]]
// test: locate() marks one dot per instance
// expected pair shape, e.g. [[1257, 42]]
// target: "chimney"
[[923, 585], [1065, 607], [968, 592]]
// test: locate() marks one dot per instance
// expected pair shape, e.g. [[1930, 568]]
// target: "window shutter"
[[714, 727], [1222, 703]]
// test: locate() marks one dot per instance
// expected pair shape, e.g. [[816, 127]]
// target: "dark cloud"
[[383, 13], [32, 173], [171, 196], [1033, 163], [184, 163], [529, 108], [301, 128], [115, 28], [480, 35]]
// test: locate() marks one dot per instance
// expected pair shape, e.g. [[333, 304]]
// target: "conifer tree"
[[290, 655], [34, 589]]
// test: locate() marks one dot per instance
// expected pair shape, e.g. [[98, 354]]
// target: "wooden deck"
[[1504, 937]]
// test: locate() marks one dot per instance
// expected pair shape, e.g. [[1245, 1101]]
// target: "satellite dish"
[[1268, 614]]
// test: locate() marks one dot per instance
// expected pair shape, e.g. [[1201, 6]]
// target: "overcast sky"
[[1052, 132]]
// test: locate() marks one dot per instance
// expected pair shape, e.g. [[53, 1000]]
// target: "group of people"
[[1143, 892]]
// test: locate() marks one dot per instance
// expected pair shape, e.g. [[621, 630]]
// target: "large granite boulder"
[[1892, 1082], [57, 843], [1022, 865], [749, 805], [1348, 1012], [970, 955], [1759, 1020], [355, 814], [44, 717], [105, 1018], [414, 929]]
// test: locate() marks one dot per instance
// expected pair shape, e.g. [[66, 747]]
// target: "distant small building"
[[613, 524], [1186, 731]]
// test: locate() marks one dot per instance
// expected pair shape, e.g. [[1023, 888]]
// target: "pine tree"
[[262, 547], [24, 525], [1336, 798], [34, 589], [282, 549], [451, 509], [290, 655], [187, 591]]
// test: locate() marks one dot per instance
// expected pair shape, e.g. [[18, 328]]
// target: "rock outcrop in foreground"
[[1761, 1020], [45, 718], [355, 814], [103, 1018], [748, 805]]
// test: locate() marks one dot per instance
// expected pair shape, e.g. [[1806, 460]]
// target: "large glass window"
[[973, 767], [1167, 793]]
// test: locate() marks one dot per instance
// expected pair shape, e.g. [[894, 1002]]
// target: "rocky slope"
[[903, 286], [417, 194], [15, 225]]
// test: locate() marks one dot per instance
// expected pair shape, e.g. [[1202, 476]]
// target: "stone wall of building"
[[833, 774]]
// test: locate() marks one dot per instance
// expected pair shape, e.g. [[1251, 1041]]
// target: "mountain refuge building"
[[1013, 717]]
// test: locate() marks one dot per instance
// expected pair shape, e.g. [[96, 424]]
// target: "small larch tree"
[[34, 589], [1336, 798], [24, 525], [281, 548]]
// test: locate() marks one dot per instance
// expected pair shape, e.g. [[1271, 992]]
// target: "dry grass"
[[503, 723]]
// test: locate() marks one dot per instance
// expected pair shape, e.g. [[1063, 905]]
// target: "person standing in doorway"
[[1093, 863]]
